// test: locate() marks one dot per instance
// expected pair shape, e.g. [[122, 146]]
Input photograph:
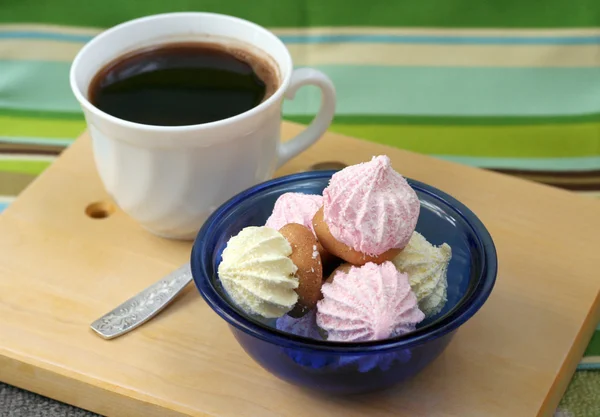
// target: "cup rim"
[[87, 105], [467, 307]]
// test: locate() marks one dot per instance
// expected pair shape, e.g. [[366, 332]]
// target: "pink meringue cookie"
[[372, 302], [294, 208], [370, 207]]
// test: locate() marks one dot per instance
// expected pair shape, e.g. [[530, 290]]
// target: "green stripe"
[[24, 166], [372, 119], [36, 86], [488, 141], [368, 90], [287, 13], [452, 91], [33, 127], [43, 114], [593, 348], [361, 119]]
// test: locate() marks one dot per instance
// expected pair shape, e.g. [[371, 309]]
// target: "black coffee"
[[182, 84]]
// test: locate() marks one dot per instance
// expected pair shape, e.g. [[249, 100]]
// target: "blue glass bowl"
[[349, 368]]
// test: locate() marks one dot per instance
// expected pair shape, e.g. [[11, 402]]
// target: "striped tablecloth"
[[512, 86]]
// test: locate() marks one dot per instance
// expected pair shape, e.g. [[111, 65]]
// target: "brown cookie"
[[341, 250], [326, 257], [329, 261], [307, 258]]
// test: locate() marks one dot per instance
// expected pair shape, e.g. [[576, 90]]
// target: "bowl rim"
[[465, 309]]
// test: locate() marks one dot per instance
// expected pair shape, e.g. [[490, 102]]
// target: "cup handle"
[[318, 126]]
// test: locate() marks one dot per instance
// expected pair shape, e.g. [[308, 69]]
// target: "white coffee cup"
[[170, 179]]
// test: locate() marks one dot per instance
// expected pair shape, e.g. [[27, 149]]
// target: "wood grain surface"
[[60, 270]]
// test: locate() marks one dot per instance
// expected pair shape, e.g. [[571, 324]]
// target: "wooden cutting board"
[[60, 269]]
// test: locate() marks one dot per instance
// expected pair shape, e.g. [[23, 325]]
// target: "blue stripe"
[[581, 163], [588, 366], [359, 38], [444, 40], [46, 36], [3, 205], [37, 141]]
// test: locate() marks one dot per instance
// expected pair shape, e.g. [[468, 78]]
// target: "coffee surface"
[[182, 84]]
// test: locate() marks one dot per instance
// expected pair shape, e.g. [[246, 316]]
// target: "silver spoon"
[[143, 306]]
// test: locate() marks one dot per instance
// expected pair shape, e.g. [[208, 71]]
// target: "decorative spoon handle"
[[143, 306]]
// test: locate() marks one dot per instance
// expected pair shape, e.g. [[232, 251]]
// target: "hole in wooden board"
[[100, 209], [329, 165]]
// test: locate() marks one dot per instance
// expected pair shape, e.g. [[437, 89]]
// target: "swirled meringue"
[[370, 207], [294, 208], [257, 274], [372, 302], [427, 267]]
